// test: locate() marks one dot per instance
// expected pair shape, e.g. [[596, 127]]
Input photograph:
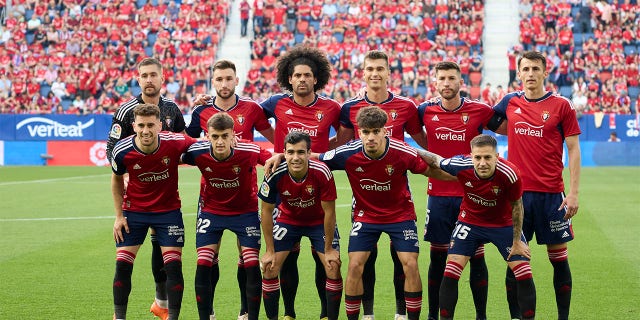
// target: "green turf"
[[58, 254]]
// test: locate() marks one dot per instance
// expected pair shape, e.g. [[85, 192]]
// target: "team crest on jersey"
[[166, 161], [389, 169], [309, 189], [319, 115], [167, 121], [393, 114], [240, 119], [496, 190], [546, 115], [465, 118], [236, 169]]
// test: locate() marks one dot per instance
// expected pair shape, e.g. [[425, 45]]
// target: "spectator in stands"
[[613, 137], [579, 100], [623, 103], [583, 22], [5, 85], [245, 11]]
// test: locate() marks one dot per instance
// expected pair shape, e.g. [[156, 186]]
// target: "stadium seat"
[[152, 37], [578, 38], [148, 50], [475, 92], [30, 37], [45, 89], [135, 90], [566, 91], [634, 92], [66, 103], [28, 14], [475, 78], [629, 49]]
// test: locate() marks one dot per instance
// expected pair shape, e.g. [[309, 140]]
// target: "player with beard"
[[451, 122], [151, 200], [150, 78], [302, 71], [402, 116]]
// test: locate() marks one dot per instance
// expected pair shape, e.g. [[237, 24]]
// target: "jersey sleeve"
[[268, 189], [336, 159], [263, 156], [269, 107], [418, 165], [570, 125], [413, 125], [500, 108], [514, 192], [261, 122], [120, 129], [194, 129], [117, 164], [453, 165], [179, 123], [345, 119], [329, 192], [189, 157]]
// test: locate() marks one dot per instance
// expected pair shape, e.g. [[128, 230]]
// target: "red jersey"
[[537, 129], [246, 113], [486, 202], [153, 177], [300, 201], [449, 133], [402, 115], [315, 119], [380, 186], [231, 184]]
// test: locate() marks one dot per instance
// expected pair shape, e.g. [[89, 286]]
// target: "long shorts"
[[285, 236], [542, 217], [168, 225], [403, 235], [246, 226], [466, 238], [442, 214]]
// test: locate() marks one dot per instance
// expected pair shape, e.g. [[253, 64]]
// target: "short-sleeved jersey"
[[246, 113], [486, 202], [300, 201], [122, 122], [230, 185], [380, 186], [536, 131], [449, 133], [315, 119], [402, 115], [153, 177]]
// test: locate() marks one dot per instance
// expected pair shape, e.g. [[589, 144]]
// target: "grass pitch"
[[58, 254]]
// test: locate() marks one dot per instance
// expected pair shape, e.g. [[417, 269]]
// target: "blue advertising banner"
[[22, 127]]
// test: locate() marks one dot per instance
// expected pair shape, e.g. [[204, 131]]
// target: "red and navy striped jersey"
[[230, 185], [380, 186], [300, 201], [153, 177], [449, 133], [486, 202]]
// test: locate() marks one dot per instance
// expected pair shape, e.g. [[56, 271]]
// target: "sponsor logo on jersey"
[[240, 119], [465, 118], [312, 131], [545, 115], [116, 131], [448, 134], [290, 112], [389, 169], [236, 169], [359, 169], [154, 176], [224, 184], [207, 169], [286, 193], [373, 185], [319, 116], [527, 129], [468, 184], [298, 202], [137, 167], [518, 111], [264, 189], [482, 201], [435, 118]]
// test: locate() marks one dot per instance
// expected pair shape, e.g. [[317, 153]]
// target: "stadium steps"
[[501, 32], [235, 48]]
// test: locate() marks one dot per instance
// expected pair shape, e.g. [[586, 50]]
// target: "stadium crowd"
[[416, 35], [592, 50], [80, 56]]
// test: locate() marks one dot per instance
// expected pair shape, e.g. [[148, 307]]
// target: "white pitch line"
[[12, 183], [70, 218]]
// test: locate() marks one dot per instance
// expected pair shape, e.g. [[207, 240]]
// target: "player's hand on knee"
[[332, 259], [519, 248], [267, 261]]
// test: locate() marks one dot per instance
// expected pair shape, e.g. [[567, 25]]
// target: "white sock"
[[162, 303]]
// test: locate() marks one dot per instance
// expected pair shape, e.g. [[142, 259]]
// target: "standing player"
[[228, 201], [451, 122], [491, 211], [303, 71], [248, 116], [151, 200], [402, 116], [377, 166], [150, 79], [539, 123], [307, 194]]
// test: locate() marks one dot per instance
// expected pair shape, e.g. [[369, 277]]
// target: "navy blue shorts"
[[542, 217], [285, 236], [169, 228], [336, 234], [466, 238], [210, 227], [403, 235], [442, 214]]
